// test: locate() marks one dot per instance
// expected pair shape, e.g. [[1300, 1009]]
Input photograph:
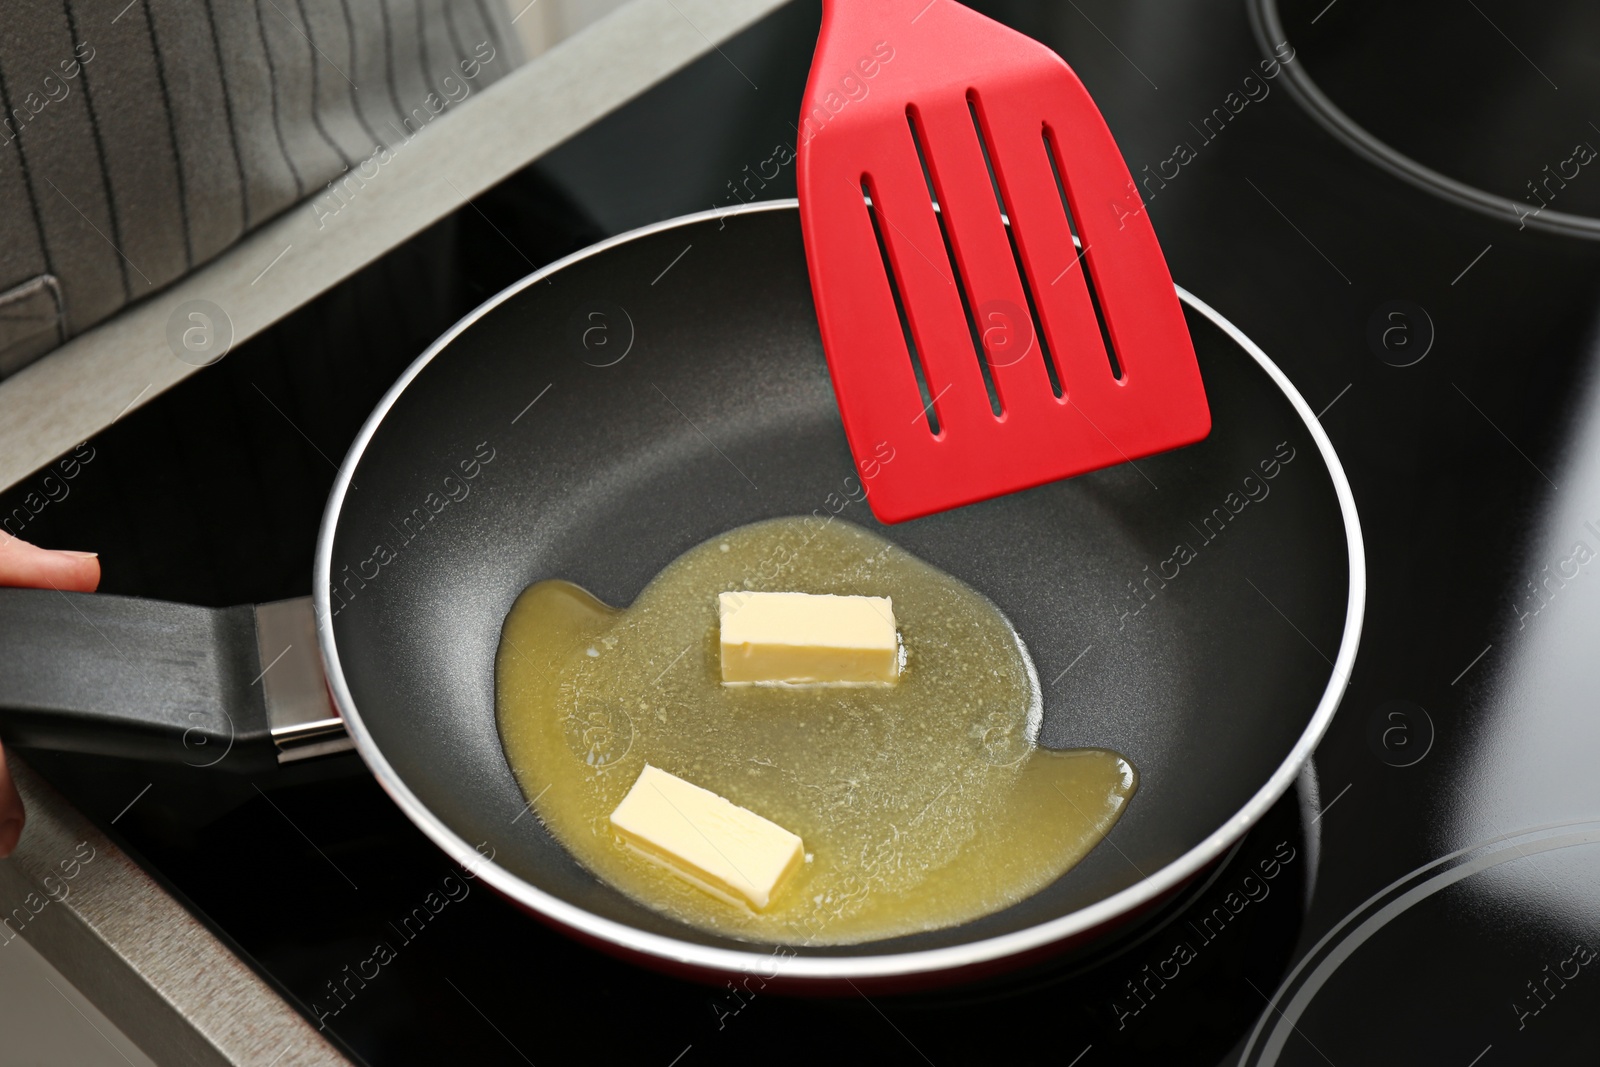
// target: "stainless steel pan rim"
[[833, 968]]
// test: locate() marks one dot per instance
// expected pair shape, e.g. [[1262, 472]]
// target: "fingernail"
[[81, 555]]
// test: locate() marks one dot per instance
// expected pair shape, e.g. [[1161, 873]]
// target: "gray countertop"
[[144, 961]]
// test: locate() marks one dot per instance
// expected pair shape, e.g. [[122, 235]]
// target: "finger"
[[32, 567], [11, 815]]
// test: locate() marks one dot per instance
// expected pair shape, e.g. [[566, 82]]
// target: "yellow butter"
[[801, 638], [728, 851]]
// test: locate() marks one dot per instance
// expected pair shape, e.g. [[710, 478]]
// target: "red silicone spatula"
[[970, 358]]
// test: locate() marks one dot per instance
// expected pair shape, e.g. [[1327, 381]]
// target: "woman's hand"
[[22, 564]]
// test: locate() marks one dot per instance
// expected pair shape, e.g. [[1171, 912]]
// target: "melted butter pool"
[[922, 805]]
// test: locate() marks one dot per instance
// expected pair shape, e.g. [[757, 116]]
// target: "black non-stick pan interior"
[[681, 390]]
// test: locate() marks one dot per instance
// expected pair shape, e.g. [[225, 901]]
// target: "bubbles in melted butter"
[[922, 805]]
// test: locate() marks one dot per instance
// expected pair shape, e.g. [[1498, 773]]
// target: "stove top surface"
[[1433, 895]]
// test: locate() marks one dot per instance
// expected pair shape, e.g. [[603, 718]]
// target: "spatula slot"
[[1016, 254], [930, 403], [918, 140], [1088, 262]]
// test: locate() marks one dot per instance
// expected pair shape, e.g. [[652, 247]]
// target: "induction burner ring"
[[1269, 31], [1293, 997]]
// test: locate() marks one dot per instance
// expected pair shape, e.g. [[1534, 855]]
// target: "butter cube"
[[800, 638], [730, 852]]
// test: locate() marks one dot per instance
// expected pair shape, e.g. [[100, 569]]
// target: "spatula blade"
[[967, 356]]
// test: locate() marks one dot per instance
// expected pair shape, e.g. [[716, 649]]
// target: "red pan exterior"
[[776, 980]]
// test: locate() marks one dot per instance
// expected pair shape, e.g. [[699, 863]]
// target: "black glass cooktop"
[[1435, 886]]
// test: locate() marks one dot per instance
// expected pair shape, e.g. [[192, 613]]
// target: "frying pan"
[[1196, 611]]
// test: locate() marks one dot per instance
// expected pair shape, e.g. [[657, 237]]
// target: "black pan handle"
[[240, 688]]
